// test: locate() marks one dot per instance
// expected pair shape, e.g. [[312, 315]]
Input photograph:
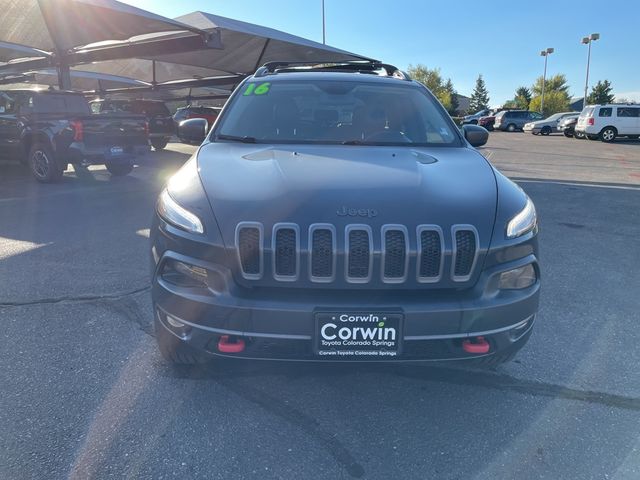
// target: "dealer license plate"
[[358, 335]]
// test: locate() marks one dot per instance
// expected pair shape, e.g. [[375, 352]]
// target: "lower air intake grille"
[[395, 254], [430, 254], [286, 255], [359, 251], [249, 250], [322, 253], [465, 252]]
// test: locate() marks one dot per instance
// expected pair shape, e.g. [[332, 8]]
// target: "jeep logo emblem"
[[357, 212]]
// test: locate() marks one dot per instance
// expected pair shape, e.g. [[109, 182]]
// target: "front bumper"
[[280, 323]]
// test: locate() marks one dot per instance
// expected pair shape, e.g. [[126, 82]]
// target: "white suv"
[[607, 122]]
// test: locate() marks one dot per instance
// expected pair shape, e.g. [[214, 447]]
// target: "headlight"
[[521, 277], [178, 216], [523, 222]]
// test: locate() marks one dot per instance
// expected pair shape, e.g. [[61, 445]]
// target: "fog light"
[[521, 277], [184, 275], [177, 327]]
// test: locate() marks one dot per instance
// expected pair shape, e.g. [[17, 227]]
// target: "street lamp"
[[587, 41], [545, 54]]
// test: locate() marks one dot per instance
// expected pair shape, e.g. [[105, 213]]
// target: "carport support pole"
[[64, 77], [323, 26]]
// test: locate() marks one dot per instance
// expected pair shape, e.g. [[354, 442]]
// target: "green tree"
[[601, 93], [480, 96], [453, 95], [556, 95], [432, 79], [557, 83], [522, 98], [554, 102]]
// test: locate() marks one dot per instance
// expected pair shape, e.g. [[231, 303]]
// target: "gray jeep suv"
[[336, 213]]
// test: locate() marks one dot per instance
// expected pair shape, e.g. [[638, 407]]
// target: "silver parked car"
[[548, 125]]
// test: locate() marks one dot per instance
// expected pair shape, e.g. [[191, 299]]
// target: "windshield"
[[556, 116], [336, 112]]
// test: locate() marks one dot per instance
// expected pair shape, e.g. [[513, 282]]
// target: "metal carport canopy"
[[73, 32], [244, 47]]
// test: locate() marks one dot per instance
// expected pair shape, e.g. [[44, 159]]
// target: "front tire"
[[578, 135], [173, 350], [120, 169], [43, 164], [568, 134], [159, 143], [546, 131], [511, 127], [608, 134]]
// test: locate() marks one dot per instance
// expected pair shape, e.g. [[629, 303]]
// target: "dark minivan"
[[512, 120]]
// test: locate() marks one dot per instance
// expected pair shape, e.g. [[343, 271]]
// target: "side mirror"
[[193, 130], [475, 135]]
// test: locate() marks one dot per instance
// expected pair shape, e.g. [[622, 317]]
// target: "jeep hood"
[[374, 185]]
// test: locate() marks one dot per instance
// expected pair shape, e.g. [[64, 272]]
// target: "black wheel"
[[568, 134], [578, 135], [159, 143], [43, 164], [119, 169], [608, 134], [489, 127], [173, 350], [511, 127], [546, 131]]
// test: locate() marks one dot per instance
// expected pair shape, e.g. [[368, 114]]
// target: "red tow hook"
[[227, 345], [475, 345]]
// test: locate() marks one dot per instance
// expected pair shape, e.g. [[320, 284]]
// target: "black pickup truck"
[[50, 129], [161, 127]]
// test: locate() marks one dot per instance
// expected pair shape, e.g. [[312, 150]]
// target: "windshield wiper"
[[355, 142], [234, 138]]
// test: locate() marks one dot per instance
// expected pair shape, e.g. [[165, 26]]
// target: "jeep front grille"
[[464, 253], [359, 253], [421, 254], [285, 251], [322, 252], [249, 243]]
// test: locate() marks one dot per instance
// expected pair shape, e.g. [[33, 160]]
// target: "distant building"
[[463, 105], [577, 104]]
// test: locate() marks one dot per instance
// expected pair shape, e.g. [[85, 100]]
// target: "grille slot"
[[394, 250], [285, 252], [322, 249], [430, 255], [465, 242], [359, 258], [249, 241]]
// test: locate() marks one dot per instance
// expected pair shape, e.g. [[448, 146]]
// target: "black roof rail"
[[357, 66]]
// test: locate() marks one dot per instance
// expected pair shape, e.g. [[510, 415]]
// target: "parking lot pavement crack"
[[75, 298], [301, 420], [508, 383]]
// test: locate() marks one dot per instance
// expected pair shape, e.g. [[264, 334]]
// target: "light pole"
[[587, 41], [545, 54], [323, 28]]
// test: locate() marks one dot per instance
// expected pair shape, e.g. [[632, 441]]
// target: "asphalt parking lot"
[[85, 393]]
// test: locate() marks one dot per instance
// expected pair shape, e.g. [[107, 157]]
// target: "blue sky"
[[499, 39]]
